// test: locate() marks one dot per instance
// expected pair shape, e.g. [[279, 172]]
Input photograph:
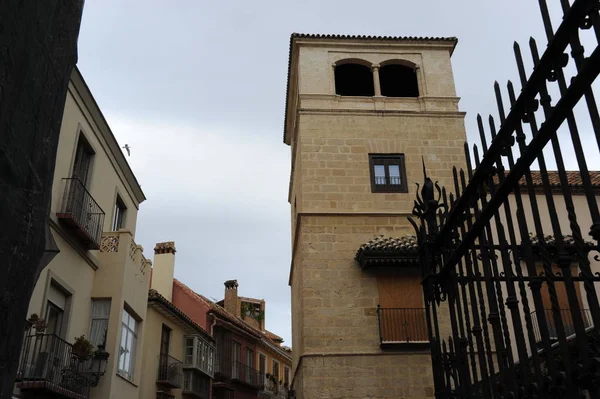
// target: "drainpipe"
[[212, 327]]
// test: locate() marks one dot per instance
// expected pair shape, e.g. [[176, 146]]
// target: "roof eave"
[[451, 41]]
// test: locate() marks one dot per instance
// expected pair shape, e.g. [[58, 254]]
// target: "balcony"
[[81, 213], [164, 395], [170, 372], [48, 367], [567, 319], [195, 384], [401, 326], [273, 389], [240, 372]]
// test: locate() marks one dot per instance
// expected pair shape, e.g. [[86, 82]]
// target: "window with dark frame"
[[118, 215], [388, 173]]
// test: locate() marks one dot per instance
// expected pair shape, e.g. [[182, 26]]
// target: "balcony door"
[[166, 371], [55, 311], [250, 364], [563, 303], [165, 340], [262, 365], [83, 160], [79, 202], [401, 300], [236, 350]]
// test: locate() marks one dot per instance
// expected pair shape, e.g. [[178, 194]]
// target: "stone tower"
[[361, 115]]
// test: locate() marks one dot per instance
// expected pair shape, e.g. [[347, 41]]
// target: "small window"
[[354, 80], [286, 375], [127, 351], [388, 174], [118, 215], [99, 324]]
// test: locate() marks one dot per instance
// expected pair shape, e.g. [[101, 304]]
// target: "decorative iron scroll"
[[489, 272]]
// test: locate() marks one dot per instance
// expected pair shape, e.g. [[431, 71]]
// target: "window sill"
[[405, 346], [127, 379]]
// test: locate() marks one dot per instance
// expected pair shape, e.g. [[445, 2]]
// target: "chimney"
[[262, 320], [231, 298], [164, 267]]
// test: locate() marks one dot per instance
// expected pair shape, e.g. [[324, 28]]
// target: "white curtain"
[[100, 315]]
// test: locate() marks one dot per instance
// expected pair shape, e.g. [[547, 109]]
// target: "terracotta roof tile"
[[573, 178], [389, 251], [154, 296], [238, 322], [219, 310]]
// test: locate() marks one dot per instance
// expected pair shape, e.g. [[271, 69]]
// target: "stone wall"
[[336, 342], [366, 376]]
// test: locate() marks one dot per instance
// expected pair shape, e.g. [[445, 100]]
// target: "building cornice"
[[83, 91]]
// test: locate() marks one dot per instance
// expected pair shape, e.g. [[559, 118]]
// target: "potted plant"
[[82, 348], [38, 323]]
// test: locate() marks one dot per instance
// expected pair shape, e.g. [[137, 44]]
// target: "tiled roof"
[[273, 337], [573, 177], [238, 322], [389, 251], [294, 36], [369, 37], [219, 311], [569, 241], [404, 251], [154, 296]]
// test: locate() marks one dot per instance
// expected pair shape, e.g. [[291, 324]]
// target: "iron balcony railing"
[[239, 371], [402, 325], [567, 319], [47, 364], [82, 213], [170, 371], [195, 384], [388, 180], [275, 389]]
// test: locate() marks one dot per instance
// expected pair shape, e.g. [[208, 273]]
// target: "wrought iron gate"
[[508, 284]]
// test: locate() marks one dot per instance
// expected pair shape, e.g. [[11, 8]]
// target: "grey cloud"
[[197, 89]]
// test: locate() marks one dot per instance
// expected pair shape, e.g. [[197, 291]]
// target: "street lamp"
[[99, 363]]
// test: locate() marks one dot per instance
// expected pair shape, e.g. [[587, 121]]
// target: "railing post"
[[379, 323]]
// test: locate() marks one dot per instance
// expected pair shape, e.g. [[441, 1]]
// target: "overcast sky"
[[197, 89]]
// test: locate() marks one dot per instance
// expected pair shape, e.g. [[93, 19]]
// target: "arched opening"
[[398, 81], [354, 80]]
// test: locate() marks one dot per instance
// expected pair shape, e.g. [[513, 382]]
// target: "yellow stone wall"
[[336, 352]]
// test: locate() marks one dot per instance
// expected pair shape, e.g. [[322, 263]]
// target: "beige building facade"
[[97, 285], [362, 114], [178, 354]]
